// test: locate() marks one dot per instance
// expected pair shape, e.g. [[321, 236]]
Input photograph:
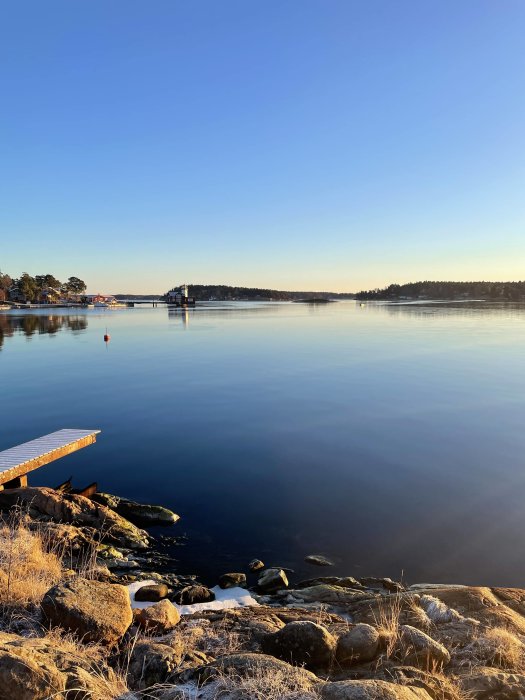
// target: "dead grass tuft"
[[496, 647], [264, 685], [386, 621], [27, 568], [219, 639]]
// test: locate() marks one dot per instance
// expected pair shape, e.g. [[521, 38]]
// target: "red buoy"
[[107, 336]]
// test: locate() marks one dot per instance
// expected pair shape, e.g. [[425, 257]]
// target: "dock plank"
[[19, 460]]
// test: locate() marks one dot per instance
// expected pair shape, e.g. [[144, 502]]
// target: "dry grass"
[[27, 568], [264, 685], [70, 644], [386, 621], [495, 647], [448, 688], [219, 639], [98, 684], [441, 687]]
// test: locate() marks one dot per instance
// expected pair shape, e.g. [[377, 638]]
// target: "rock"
[[152, 663], [378, 584], [487, 606], [76, 510], [361, 643], [272, 580], [158, 618], [137, 513], [232, 580], [301, 643], [404, 608], [28, 676], [247, 665], [194, 594], [371, 690], [340, 581], [108, 551], [63, 537], [122, 564], [418, 649], [318, 560], [153, 592], [85, 676], [493, 684], [85, 684], [326, 593], [255, 565], [95, 611]]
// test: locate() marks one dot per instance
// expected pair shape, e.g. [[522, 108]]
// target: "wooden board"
[[18, 461]]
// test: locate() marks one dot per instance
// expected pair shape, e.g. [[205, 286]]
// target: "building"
[[178, 296]]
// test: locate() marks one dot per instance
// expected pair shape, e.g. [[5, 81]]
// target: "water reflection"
[[182, 314], [38, 324], [445, 308]]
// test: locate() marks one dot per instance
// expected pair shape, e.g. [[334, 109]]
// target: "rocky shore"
[[91, 610]]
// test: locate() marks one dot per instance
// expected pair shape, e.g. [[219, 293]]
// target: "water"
[[389, 437]]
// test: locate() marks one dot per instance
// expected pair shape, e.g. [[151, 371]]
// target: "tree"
[[27, 286], [75, 285], [5, 284], [47, 282]]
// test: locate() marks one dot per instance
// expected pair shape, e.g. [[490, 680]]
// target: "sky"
[[292, 144]]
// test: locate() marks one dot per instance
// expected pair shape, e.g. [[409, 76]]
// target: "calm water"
[[390, 438]]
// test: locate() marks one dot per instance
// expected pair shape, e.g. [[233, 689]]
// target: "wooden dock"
[[17, 462]]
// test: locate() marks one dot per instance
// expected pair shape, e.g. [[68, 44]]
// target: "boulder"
[[194, 594], [418, 649], [361, 643], [247, 665], [327, 593], [493, 684], [272, 580], [255, 565], [232, 580], [496, 607], [89, 684], [108, 551], [158, 618], [340, 581], [26, 675], [138, 513], [152, 663], [62, 537], [84, 675], [318, 560], [381, 584], [77, 510], [371, 690], [152, 592], [95, 611], [302, 643]]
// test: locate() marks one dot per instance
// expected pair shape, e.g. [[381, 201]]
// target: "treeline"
[[40, 288], [222, 292], [491, 291]]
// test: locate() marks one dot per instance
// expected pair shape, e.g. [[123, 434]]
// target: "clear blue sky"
[[305, 144]]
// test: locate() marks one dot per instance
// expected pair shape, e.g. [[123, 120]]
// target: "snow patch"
[[224, 599]]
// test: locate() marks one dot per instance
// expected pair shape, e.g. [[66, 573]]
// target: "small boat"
[[109, 303]]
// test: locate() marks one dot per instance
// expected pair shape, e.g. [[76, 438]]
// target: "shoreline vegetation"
[[453, 291], [47, 290], [40, 289], [224, 292], [90, 609]]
